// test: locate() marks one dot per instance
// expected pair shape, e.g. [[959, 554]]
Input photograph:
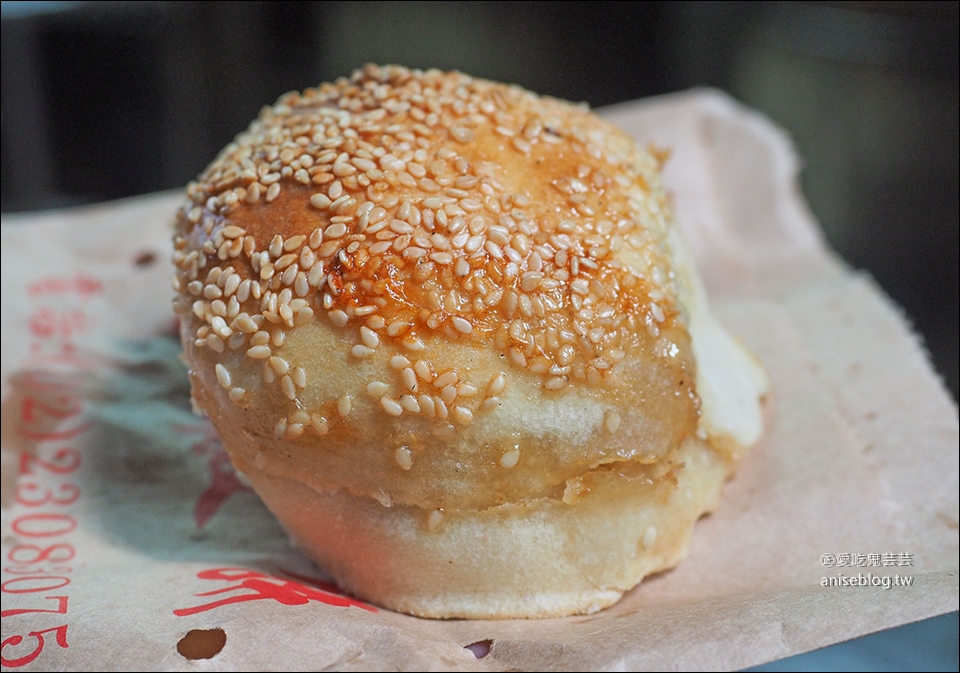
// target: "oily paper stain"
[[202, 643]]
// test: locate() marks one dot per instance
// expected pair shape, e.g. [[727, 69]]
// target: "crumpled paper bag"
[[129, 543]]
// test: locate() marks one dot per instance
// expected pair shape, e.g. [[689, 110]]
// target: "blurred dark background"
[[106, 100]]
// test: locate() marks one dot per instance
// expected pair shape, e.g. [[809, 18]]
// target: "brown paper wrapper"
[[129, 542]]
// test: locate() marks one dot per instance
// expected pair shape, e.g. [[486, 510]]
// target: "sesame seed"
[[555, 383], [399, 362], [338, 317], [335, 231], [294, 242], [449, 377], [444, 431], [397, 327], [391, 406], [489, 404], [220, 327], [409, 378], [236, 340], [301, 285], [286, 384], [461, 325], [342, 204], [231, 284], [284, 261], [473, 243], [414, 252], [307, 257], [236, 394], [377, 389], [259, 352], [410, 403], [424, 370], [403, 457], [461, 266], [530, 281], [319, 424], [448, 394], [276, 246], [344, 405], [223, 376], [273, 191], [279, 365], [612, 422], [316, 276], [497, 384], [361, 351], [343, 169], [462, 415], [413, 343], [369, 338], [427, 405], [434, 519], [462, 134], [510, 458]]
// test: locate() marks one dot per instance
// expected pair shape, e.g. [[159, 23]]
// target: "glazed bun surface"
[[445, 325]]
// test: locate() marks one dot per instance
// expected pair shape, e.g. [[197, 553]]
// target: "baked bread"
[[448, 331]]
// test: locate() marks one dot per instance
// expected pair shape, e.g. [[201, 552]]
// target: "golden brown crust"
[[437, 293], [472, 223]]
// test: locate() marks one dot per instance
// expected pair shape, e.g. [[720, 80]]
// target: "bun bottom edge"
[[544, 558]]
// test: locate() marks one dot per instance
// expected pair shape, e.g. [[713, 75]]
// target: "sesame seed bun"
[[447, 329]]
